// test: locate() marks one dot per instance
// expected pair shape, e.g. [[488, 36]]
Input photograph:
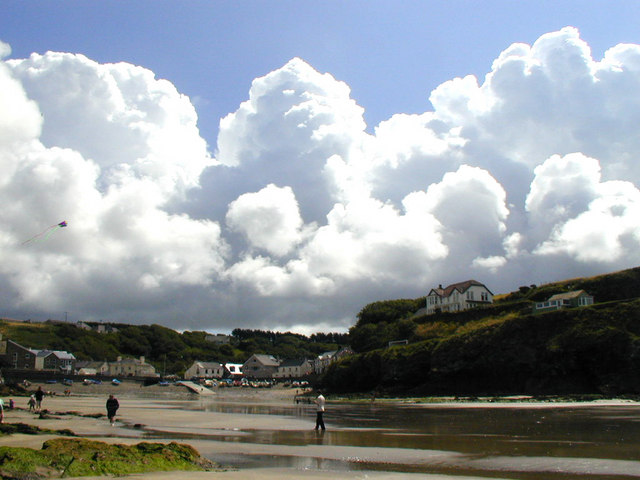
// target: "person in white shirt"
[[320, 411]]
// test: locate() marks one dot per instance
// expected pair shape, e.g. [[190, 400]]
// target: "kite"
[[46, 233]]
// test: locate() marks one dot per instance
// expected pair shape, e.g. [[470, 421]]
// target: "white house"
[[131, 367], [458, 297], [205, 370], [322, 361], [234, 369], [88, 367], [294, 368]]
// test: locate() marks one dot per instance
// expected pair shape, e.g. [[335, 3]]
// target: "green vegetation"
[[502, 349], [169, 351], [79, 457]]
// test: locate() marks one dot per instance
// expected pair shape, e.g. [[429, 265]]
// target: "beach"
[[263, 433], [158, 409]]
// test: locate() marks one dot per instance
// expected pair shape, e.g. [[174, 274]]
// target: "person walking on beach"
[[32, 402], [319, 401], [112, 408], [39, 396]]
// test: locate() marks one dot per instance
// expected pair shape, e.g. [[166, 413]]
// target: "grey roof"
[[568, 295], [461, 287], [58, 353], [294, 362], [208, 364], [267, 360]]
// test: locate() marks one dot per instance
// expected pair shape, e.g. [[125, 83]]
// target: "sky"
[[280, 165]]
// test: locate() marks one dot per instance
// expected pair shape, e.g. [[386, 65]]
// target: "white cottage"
[[204, 370]]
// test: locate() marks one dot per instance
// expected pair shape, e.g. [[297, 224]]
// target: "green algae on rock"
[[80, 457]]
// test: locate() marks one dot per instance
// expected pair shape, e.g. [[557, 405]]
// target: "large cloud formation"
[[300, 217]]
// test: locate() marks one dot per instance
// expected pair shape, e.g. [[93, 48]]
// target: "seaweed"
[[79, 457]]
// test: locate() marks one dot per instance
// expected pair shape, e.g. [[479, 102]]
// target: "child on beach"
[[32, 402]]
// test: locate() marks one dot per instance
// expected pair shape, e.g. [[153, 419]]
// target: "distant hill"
[[504, 348], [169, 351]]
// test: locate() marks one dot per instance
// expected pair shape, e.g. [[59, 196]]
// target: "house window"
[[484, 296], [470, 295]]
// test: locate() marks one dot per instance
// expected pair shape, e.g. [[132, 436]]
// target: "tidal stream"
[[480, 440]]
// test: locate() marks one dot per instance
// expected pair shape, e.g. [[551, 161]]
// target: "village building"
[[294, 368], [322, 361], [219, 339], [105, 328], [233, 370], [204, 370], [89, 367], [14, 355], [131, 367], [55, 360], [260, 366]]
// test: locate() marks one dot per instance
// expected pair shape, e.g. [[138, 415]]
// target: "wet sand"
[[161, 410], [163, 414]]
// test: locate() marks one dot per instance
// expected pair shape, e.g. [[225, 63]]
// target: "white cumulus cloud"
[[270, 219], [302, 215], [102, 147]]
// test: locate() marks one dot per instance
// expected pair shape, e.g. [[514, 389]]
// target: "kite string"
[[52, 229], [48, 231]]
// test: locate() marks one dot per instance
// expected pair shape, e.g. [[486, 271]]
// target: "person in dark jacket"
[[39, 396], [112, 408]]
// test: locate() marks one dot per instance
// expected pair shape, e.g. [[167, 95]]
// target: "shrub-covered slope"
[[503, 349]]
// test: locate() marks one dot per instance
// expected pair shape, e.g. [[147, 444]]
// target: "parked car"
[[91, 381]]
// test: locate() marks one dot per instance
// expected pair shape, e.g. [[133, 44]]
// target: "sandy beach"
[[164, 414], [161, 410]]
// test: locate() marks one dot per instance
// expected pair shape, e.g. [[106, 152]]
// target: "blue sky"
[[391, 54], [280, 165]]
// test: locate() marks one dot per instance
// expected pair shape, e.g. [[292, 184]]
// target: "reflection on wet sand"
[[578, 442], [263, 432]]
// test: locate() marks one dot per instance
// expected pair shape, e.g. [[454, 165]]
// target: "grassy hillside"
[[504, 348], [169, 351]]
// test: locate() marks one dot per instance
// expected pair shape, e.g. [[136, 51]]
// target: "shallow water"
[[576, 442]]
